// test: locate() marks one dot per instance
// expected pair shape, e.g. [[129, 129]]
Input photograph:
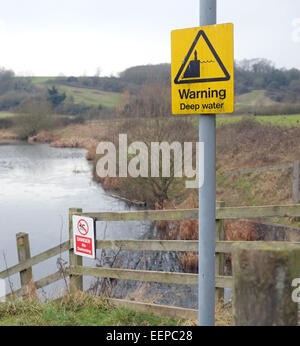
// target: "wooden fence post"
[[26, 277], [219, 257], [262, 283], [76, 281], [295, 188]]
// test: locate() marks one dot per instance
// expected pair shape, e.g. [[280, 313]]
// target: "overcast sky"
[[74, 37]]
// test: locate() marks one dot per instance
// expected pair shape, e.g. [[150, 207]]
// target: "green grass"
[[276, 120], [41, 80], [92, 97], [250, 98], [280, 120], [243, 185], [6, 115], [255, 98], [84, 310]]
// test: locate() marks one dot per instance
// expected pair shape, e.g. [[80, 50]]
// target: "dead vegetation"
[[249, 144], [245, 144]]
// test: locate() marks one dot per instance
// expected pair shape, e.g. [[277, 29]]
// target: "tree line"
[[280, 84], [145, 90]]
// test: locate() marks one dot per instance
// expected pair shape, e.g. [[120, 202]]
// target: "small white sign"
[[84, 236], [2, 290]]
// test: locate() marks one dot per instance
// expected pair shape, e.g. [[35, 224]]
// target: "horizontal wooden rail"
[[146, 275], [192, 214], [47, 280], [259, 169], [148, 245], [224, 246], [137, 275], [165, 310], [223, 281], [258, 212], [126, 245], [50, 279], [35, 260], [145, 215]]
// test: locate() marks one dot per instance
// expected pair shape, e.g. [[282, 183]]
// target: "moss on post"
[[262, 283]]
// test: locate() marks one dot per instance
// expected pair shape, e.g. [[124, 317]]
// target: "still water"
[[38, 184]]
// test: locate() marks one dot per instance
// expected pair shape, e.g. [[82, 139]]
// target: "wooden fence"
[[76, 270]]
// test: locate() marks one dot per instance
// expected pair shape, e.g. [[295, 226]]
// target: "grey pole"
[[207, 199]]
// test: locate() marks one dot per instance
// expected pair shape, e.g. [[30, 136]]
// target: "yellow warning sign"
[[202, 70]]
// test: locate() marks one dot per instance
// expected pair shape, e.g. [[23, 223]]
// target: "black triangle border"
[[221, 79]]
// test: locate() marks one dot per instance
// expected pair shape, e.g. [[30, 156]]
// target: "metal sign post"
[[202, 72], [207, 199]]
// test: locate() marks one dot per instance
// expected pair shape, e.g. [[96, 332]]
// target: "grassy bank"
[[6, 115], [252, 100], [89, 96], [92, 97], [242, 142], [82, 310], [85, 310]]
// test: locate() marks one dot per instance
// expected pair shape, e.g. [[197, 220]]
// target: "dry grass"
[[144, 294], [77, 310], [15, 308], [251, 144], [223, 315], [91, 129], [79, 300], [223, 312], [7, 136]]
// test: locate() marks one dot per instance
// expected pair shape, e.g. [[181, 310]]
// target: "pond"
[[38, 185]]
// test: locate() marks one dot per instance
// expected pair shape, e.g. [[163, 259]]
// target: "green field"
[[93, 97], [41, 80], [277, 120], [255, 98], [6, 115], [250, 98]]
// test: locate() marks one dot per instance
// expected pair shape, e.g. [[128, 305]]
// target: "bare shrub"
[[157, 189], [34, 115], [153, 100]]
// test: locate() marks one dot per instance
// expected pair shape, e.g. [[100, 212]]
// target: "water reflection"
[[38, 185]]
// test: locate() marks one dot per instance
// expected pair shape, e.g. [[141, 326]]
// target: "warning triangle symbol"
[[202, 64]]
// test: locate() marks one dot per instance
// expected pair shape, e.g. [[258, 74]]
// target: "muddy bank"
[[112, 186], [67, 142], [8, 137]]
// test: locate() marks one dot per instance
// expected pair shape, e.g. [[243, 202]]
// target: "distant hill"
[[260, 88], [89, 96]]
